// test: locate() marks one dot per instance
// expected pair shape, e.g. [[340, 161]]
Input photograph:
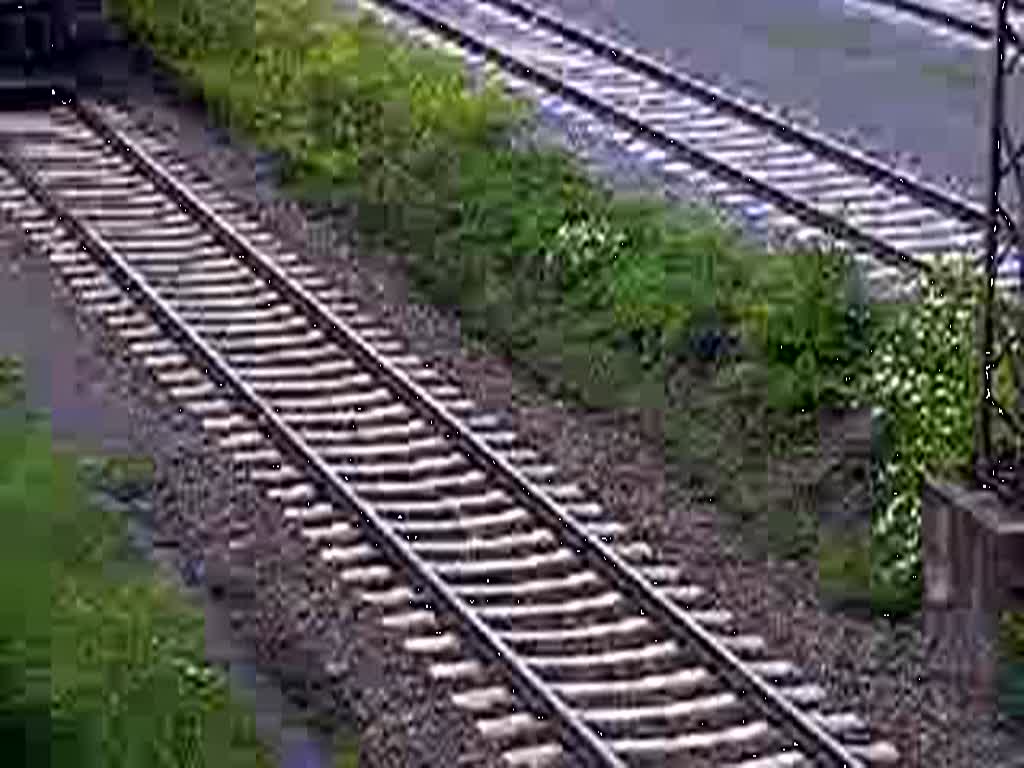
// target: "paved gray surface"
[[898, 87]]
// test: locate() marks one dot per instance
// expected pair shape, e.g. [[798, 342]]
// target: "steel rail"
[[831, 224], [523, 679], [984, 32], [930, 13], [600, 555], [960, 207]]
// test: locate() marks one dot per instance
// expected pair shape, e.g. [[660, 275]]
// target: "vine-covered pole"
[[1005, 229]]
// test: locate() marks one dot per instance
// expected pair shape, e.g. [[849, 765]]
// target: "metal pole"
[[983, 437]]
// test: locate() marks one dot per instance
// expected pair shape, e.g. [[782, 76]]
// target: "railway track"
[[790, 178], [970, 20], [467, 539]]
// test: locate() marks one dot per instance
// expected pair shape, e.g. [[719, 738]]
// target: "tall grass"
[[100, 663]]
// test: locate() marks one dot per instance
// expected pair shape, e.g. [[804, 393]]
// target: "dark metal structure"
[[43, 44], [36, 33], [999, 448]]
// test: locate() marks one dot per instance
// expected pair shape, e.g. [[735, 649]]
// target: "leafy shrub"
[[1008, 384], [921, 374], [1012, 634], [682, 274], [396, 132], [11, 381], [96, 670], [804, 319], [579, 249], [844, 567]]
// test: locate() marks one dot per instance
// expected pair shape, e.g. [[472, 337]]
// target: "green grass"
[[99, 666], [119, 475], [607, 297], [346, 752], [1012, 634], [845, 567], [958, 75], [11, 382], [851, 35], [847, 578]]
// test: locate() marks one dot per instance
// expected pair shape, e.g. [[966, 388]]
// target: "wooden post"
[[973, 570]]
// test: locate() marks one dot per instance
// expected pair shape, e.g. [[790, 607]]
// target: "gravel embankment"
[[893, 676]]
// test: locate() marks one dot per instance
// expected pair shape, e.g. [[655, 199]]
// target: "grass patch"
[[850, 35], [958, 75], [98, 666], [848, 578], [845, 568], [1011, 684], [613, 299], [122, 476], [1012, 635], [11, 382], [345, 751]]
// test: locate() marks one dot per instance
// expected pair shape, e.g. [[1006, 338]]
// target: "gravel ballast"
[[895, 676], [284, 602]]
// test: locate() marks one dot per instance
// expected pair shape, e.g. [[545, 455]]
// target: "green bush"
[[844, 567], [1011, 678], [11, 382], [922, 375], [98, 667], [521, 240], [1012, 634], [804, 317], [1008, 382]]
